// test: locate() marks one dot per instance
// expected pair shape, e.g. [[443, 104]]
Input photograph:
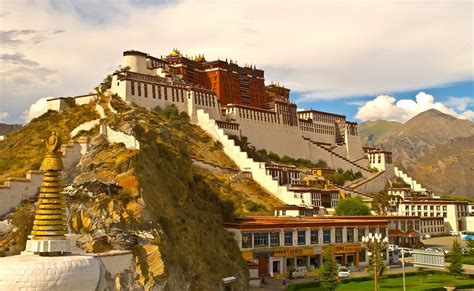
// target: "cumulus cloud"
[[388, 108], [3, 115], [36, 109]]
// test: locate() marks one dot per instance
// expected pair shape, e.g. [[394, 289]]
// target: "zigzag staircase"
[[334, 154], [245, 163]]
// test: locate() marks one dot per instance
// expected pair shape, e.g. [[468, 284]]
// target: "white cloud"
[[388, 108], [3, 115], [327, 49], [460, 103], [36, 109]]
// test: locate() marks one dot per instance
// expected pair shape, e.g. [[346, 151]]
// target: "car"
[[344, 272], [453, 233], [407, 252], [426, 236], [436, 250], [299, 272], [392, 247]]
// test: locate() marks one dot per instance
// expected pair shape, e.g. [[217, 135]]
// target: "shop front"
[[286, 259], [346, 254]]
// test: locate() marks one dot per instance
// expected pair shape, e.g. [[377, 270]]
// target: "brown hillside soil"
[[155, 202], [447, 169]]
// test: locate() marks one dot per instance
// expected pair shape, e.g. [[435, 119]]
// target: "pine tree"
[[329, 271], [470, 246], [456, 265]]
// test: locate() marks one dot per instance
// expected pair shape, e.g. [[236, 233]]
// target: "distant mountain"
[[425, 134], [447, 169], [8, 128], [418, 135], [372, 131]]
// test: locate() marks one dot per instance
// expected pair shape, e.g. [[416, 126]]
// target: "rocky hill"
[[423, 135], [373, 130], [166, 201], [447, 168], [8, 128]]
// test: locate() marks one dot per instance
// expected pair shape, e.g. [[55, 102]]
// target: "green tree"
[[352, 206], [328, 271], [380, 203], [470, 246], [456, 254]]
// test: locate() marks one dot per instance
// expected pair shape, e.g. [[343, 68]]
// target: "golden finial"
[[50, 216]]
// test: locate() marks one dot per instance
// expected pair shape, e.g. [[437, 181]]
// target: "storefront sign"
[[293, 252], [247, 255], [347, 248]]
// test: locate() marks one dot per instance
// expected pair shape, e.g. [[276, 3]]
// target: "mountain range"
[[8, 128], [432, 147]]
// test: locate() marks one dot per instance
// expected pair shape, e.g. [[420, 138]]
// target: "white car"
[[300, 272], [392, 247], [407, 251], [344, 272], [453, 233]]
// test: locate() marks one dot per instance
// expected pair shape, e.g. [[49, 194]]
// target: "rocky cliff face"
[[157, 201], [448, 169]]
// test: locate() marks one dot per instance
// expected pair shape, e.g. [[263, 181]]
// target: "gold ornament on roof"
[[50, 216]]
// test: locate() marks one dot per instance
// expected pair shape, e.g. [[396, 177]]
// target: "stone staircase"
[[351, 164], [361, 182], [247, 164], [415, 186]]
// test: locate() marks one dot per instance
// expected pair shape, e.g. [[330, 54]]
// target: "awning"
[[395, 232]]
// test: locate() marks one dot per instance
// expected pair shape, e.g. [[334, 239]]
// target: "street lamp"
[[375, 245]]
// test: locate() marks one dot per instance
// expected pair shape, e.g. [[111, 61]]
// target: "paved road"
[[276, 284], [444, 242]]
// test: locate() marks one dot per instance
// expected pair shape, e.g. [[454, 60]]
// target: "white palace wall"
[[16, 190]]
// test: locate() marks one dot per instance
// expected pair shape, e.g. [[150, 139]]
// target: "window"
[[350, 235], [403, 227], [372, 230], [132, 87], [166, 93], [139, 85], [338, 234], [314, 236], [362, 256], [288, 238], [274, 239], [360, 234], [159, 92], [246, 240], [417, 225], [153, 89], [383, 231], [260, 239], [145, 89], [301, 237], [327, 236]]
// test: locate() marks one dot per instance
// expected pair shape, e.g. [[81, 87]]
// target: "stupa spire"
[[50, 216]]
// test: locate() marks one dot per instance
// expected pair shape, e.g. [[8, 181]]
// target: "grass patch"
[[413, 283]]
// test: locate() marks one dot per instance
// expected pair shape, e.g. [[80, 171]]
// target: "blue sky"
[[332, 54]]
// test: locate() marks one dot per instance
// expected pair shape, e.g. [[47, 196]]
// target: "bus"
[[467, 235]]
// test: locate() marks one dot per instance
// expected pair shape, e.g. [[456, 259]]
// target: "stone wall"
[[16, 190], [113, 136]]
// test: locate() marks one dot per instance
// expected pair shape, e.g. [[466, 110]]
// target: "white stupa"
[[50, 261]]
